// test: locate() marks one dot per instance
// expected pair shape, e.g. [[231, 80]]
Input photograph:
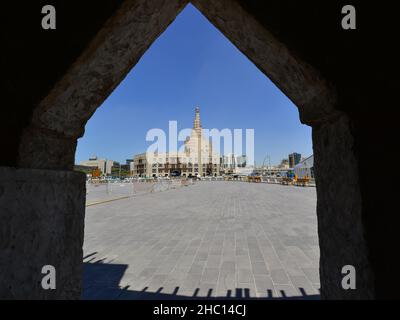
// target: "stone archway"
[[48, 142]]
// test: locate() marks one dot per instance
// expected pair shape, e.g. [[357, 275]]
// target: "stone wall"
[[42, 223], [341, 229]]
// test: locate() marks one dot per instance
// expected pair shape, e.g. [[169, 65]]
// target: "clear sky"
[[193, 64]]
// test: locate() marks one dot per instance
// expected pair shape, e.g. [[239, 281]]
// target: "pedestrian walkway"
[[212, 239]]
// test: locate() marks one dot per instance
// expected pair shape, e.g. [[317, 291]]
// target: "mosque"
[[196, 159]]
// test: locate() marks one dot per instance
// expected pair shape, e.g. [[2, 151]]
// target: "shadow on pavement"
[[101, 281]]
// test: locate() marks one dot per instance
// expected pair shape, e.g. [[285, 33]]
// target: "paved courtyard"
[[211, 239]]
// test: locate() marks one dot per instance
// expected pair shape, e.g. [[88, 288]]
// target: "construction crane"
[[269, 162]]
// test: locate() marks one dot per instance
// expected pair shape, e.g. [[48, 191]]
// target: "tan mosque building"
[[196, 159]]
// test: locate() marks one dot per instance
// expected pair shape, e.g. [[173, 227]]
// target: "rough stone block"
[[42, 214]]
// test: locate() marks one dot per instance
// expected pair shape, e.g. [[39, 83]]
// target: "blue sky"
[[193, 64]]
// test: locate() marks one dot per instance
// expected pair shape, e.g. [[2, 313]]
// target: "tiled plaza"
[[211, 239]]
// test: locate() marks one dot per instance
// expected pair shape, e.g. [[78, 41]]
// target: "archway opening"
[[251, 233]]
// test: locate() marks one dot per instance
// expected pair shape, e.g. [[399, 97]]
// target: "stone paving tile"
[[302, 284], [213, 261], [235, 239], [148, 272], [312, 254], [259, 268], [264, 286], [243, 262], [156, 282], [286, 291], [312, 274], [166, 267], [226, 280], [301, 259], [279, 276], [210, 275], [244, 276]]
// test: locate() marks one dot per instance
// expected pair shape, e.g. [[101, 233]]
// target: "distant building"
[[140, 167], [284, 164], [231, 163], [294, 158], [228, 161], [241, 161], [127, 165], [305, 168], [197, 159], [104, 165], [121, 170]]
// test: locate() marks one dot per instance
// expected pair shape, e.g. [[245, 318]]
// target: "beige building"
[[196, 159], [284, 164], [103, 164]]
